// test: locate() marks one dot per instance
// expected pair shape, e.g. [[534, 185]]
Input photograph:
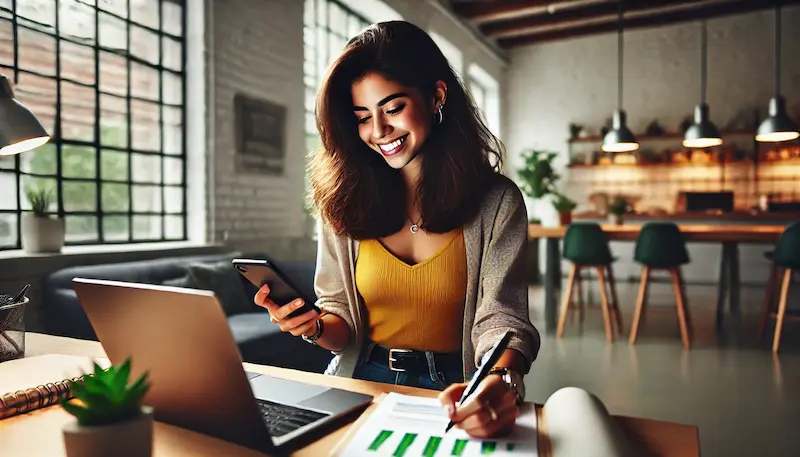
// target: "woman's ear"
[[439, 94]]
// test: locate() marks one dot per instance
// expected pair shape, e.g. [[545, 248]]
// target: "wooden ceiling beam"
[[590, 11], [706, 11], [493, 11]]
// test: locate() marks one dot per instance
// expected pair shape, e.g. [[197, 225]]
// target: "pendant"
[[414, 228]]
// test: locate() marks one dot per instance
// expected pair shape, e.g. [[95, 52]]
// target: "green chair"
[[660, 246], [786, 257], [586, 246]]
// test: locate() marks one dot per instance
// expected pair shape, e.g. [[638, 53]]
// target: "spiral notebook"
[[38, 382]]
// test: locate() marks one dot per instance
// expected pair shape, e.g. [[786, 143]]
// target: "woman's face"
[[393, 120]]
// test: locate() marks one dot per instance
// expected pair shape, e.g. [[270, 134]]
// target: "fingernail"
[[298, 303], [449, 409]]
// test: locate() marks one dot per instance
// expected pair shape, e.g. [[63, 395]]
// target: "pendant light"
[[20, 131], [778, 126], [703, 133], [619, 138]]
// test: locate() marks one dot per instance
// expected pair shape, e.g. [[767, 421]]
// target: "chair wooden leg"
[[614, 299], [686, 308], [787, 280], [676, 283], [767, 305], [637, 312], [562, 320], [579, 285], [604, 303]]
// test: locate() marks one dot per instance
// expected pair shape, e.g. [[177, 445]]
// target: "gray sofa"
[[259, 341]]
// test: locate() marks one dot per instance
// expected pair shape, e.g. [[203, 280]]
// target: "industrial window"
[[107, 80]]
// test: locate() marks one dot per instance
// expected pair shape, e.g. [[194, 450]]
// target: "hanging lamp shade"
[[702, 133], [778, 126], [20, 131], [619, 138]]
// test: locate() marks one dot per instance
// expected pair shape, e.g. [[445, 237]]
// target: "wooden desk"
[[728, 235], [39, 433]]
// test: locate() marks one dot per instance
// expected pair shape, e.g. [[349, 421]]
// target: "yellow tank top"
[[418, 306]]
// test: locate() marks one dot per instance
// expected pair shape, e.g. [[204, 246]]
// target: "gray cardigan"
[[497, 293]]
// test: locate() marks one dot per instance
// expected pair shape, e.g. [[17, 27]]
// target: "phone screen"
[[260, 272]]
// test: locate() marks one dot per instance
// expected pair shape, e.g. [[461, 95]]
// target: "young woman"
[[420, 268]]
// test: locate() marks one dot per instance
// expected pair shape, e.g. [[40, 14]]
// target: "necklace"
[[414, 225]]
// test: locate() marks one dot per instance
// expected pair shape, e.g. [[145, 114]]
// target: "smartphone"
[[282, 290]]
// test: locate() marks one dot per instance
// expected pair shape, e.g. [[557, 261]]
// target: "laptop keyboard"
[[282, 419]]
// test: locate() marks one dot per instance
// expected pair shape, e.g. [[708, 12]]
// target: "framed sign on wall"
[[260, 130]]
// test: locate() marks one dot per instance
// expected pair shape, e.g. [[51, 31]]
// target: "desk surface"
[[39, 433], [691, 232]]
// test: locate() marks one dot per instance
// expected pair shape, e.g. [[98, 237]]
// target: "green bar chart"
[[405, 443], [488, 447], [458, 448], [382, 436], [432, 446]]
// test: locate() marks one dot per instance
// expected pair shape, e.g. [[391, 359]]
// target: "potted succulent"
[[616, 208], [41, 232], [564, 205], [110, 417]]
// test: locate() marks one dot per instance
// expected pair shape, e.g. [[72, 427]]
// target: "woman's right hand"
[[304, 324]]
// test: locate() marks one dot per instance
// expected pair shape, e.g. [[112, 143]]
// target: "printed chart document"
[[406, 426]]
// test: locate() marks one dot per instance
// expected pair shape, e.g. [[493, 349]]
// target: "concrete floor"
[[744, 401]]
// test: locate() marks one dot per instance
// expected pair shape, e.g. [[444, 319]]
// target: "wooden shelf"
[[666, 136], [663, 164]]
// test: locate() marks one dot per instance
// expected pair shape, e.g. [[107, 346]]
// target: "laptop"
[[181, 337]]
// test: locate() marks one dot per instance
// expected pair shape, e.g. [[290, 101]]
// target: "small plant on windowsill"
[[616, 209], [41, 232], [564, 205], [110, 417]]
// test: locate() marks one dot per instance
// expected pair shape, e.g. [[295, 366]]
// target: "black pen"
[[483, 371]]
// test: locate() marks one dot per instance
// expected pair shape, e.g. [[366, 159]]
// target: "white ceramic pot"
[[615, 219], [42, 234], [133, 438]]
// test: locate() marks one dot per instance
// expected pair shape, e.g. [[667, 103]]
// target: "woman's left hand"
[[489, 412]]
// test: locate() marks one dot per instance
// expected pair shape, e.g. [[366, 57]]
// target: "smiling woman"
[[420, 269]]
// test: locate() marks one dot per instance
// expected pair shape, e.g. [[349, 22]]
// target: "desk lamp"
[[20, 131]]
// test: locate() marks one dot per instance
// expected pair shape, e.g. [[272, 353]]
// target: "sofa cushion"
[[222, 279]]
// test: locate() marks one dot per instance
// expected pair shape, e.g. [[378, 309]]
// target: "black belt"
[[414, 361]]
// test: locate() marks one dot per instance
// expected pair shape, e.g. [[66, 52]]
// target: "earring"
[[439, 116]]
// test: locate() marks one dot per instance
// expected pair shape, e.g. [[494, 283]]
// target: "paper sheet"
[[408, 426]]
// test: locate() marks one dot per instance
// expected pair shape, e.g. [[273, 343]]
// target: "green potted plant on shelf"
[[616, 209], [110, 417], [538, 175], [564, 205], [41, 231]]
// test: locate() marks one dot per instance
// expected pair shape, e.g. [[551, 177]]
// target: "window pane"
[[174, 227], [115, 197], [144, 44], [113, 74], [78, 161], [37, 51], [39, 95], [144, 81], [114, 165], [8, 190], [79, 196], [76, 20], [146, 199], [113, 121], [146, 168], [77, 112], [77, 62], [8, 230], [173, 170], [172, 54], [173, 88], [173, 199], [173, 21], [37, 11], [118, 7], [115, 228], [173, 131], [146, 227], [41, 161], [81, 228], [145, 12], [145, 125], [32, 183], [113, 32], [6, 34]]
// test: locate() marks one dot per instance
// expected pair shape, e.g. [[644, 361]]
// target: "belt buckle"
[[392, 359]]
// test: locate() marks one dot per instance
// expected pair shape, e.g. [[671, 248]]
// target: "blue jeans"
[[436, 379]]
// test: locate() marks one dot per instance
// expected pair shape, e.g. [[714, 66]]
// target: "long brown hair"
[[355, 191]]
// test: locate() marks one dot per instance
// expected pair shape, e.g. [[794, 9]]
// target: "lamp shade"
[[778, 126], [703, 133], [619, 138], [20, 131]]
